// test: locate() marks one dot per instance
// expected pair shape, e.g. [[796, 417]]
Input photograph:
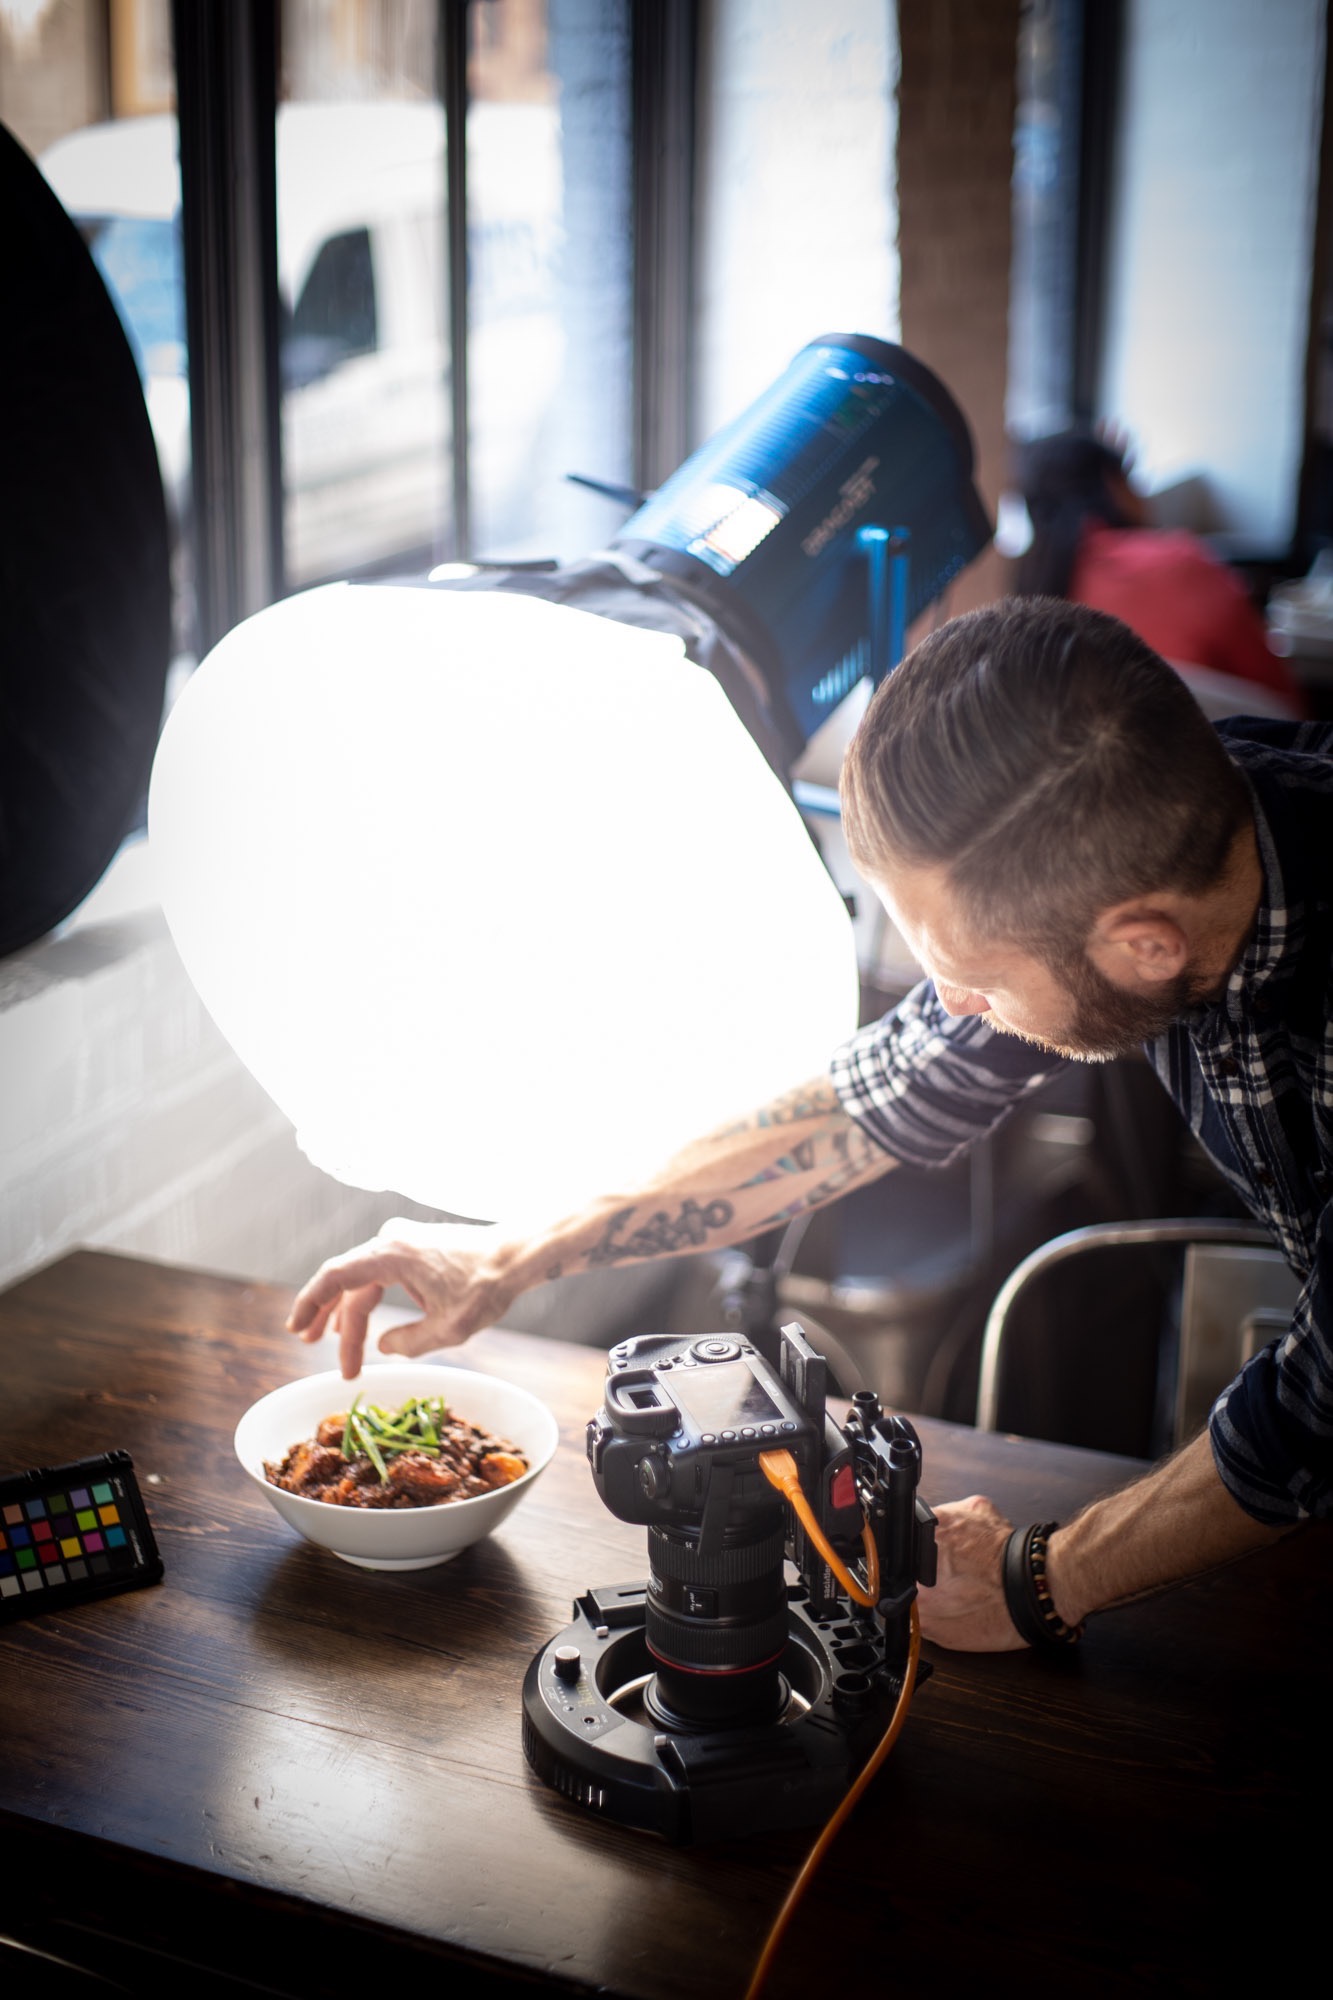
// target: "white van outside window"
[[364, 364]]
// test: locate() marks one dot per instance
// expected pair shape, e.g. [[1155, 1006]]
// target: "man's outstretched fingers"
[[353, 1323]]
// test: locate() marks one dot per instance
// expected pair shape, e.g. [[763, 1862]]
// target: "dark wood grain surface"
[[273, 1753]]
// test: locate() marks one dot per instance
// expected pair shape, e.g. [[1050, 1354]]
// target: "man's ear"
[[1139, 944]]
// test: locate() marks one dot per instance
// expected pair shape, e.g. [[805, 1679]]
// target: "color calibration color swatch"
[[49, 1541], [72, 1532]]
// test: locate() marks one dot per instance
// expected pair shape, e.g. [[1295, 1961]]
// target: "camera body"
[[676, 1442]]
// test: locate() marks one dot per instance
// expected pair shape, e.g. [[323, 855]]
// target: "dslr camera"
[[736, 1684]]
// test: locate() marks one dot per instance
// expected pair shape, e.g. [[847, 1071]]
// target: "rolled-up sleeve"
[[1272, 1430], [926, 1085]]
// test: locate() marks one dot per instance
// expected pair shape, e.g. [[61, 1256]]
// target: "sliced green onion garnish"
[[382, 1434]]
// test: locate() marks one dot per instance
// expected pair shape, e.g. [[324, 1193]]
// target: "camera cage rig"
[[715, 1697]]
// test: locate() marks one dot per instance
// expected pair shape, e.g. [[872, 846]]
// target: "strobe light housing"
[[822, 521]]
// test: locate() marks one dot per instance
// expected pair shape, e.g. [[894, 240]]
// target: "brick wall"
[[955, 155]]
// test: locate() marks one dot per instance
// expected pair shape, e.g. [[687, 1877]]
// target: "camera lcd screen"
[[723, 1395]]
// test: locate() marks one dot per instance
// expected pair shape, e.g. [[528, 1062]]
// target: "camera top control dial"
[[716, 1348]]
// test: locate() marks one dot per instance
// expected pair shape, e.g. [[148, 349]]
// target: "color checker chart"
[[73, 1532]]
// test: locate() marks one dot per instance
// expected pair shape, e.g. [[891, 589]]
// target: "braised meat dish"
[[418, 1456]]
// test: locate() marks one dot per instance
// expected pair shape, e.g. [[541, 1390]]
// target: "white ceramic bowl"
[[399, 1537]]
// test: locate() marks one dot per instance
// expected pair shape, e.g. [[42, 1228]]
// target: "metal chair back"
[[1236, 1292]]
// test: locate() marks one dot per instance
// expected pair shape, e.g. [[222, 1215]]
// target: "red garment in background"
[[1182, 601]]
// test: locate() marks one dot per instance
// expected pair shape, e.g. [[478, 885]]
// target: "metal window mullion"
[[226, 85], [453, 45], [1102, 31], [664, 65]]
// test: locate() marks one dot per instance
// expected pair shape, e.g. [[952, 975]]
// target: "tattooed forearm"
[[735, 1176], [660, 1236], [860, 1160]]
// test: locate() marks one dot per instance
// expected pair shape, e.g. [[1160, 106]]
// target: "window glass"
[[361, 276], [90, 92], [796, 208], [1042, 302], [550, 371], [140, 259]]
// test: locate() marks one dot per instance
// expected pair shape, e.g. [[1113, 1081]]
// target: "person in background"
[[1084, 865], [1092, 542]]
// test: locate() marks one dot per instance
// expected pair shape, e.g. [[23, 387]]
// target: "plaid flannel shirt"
[[1252, 1073]]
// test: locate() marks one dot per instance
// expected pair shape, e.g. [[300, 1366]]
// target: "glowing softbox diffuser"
[[498, 900]]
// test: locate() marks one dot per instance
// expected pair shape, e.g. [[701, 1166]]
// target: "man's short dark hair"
[[1051, 762]]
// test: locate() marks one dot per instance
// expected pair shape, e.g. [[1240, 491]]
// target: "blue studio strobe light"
[[822, 521]]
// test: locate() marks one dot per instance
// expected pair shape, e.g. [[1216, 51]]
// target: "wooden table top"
[[275, 1753]]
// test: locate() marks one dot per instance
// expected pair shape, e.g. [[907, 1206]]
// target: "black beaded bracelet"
[[1027, 1593]]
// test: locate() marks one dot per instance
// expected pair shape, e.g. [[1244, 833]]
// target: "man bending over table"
[[1084, 865]]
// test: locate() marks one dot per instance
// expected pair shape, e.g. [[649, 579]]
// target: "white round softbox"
[[496, 899]]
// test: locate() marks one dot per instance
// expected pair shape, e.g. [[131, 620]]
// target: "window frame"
[[227, 62]]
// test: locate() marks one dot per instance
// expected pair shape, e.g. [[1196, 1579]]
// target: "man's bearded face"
[[1107, 1021]]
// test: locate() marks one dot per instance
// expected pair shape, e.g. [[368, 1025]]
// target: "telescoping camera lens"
[[717, 1627]]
